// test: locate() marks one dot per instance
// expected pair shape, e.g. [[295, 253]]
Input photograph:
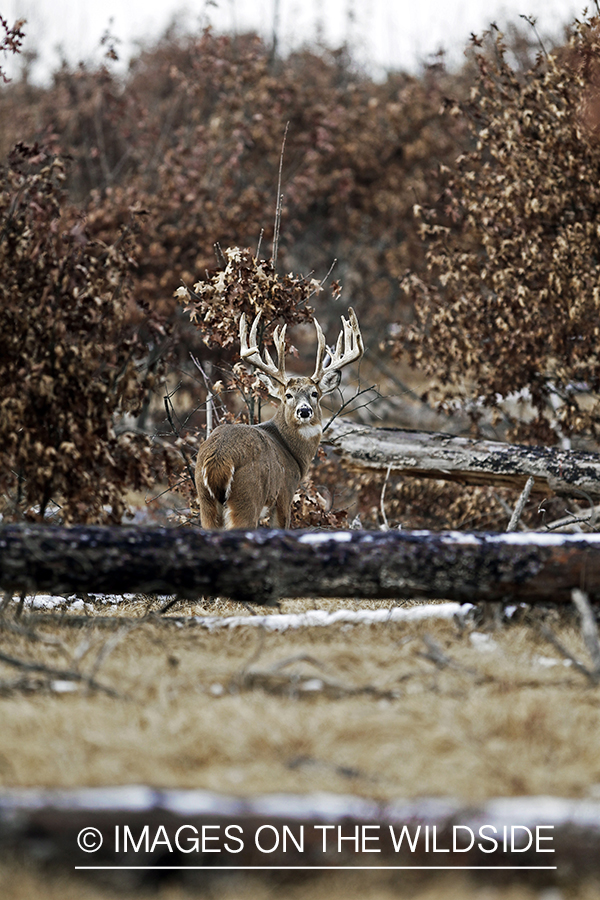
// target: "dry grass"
[[228, 711], [396, 710]]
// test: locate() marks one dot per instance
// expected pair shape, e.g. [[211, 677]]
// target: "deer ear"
[[330, 381]]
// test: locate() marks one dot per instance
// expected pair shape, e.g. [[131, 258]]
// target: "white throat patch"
[[310, 430]]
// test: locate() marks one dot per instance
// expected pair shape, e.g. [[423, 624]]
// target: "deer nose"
[[304, 412]]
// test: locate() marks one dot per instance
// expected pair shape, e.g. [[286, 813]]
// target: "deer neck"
[[302, 449]]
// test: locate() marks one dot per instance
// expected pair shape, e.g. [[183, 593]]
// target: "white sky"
[[382, 33]]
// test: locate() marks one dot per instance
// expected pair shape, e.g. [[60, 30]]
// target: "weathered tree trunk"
[[265, 565], [131, 828], [464, 460]]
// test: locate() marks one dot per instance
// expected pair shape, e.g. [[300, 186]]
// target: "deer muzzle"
[[304, 412]]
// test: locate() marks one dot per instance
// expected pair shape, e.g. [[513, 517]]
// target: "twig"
[[386, 524], [299, 657], [169, 605], [507, 509], [19, 610], [169, 409], [589, 629], [220, 255], [107, 648], [211, 411], [238, 679], [60, 674], [277, 226], [532, 22], [566, 654], [321, 283], [260, 237], [347, 403], [514, 519], [436, 655], [572, 520]]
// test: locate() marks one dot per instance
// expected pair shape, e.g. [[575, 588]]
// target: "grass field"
[[394, 710]]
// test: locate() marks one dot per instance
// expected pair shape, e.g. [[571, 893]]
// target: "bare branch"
[[386, 524], [277, 226], [514, 519], [589, 629], [59, 674]]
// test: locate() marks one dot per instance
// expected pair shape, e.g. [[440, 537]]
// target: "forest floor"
[[458, 708]]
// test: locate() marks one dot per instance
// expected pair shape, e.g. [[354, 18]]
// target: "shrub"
[[69, 367], [511, 301]]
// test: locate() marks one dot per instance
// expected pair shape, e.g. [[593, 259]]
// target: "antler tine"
[[251, 353], [349, 347], [321, 349]]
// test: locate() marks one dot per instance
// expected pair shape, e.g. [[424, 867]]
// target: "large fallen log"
[[265, 565], [126, 833], [464, 460]]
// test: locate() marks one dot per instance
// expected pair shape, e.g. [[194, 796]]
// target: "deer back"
[[245, 472]]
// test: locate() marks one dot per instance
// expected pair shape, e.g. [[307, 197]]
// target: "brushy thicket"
[[499, 160], [190, 139], [69, 362], [193, 136], [510, 300]]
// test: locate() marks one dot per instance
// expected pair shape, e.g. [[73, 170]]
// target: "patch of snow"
[[312, 684], [64, 687], [483, 642], [319, 617], [43, 601], [549, 662], [324, 538], [541, 538]]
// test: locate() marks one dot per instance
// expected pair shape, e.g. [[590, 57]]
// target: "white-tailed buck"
[[246, 472]]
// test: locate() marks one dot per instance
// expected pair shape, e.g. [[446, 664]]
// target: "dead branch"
[[589, 629], [566, 654], [266, 565], [514, 519], [467, 461], [436, 655], [58, 674]]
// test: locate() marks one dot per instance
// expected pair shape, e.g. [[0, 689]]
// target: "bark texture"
[[265, 565], [438, 832], [467, 461]]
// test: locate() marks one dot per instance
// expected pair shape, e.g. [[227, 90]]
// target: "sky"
[[383, 34]]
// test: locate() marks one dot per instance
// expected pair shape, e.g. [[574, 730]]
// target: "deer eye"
[[314, 394], [288, 396]]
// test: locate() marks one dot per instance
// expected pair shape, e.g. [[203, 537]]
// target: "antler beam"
[[250, 352], [349, 347]]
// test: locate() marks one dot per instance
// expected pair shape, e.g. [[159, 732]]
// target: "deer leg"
[[282, 513], [211, 512], [242, 508]]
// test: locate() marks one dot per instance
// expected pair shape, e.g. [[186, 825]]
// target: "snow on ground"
[[319, 617]]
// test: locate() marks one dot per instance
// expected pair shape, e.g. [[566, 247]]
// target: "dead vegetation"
[[407, 710], [468, 708]]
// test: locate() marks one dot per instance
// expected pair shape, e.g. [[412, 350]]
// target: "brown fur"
[[244, 472]]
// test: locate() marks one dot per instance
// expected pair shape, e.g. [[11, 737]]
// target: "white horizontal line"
[[313, 868]]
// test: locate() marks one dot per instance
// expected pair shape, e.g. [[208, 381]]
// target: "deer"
[[245, 473]]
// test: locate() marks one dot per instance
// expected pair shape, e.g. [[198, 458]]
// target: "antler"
[[351, 340], [251, 353]]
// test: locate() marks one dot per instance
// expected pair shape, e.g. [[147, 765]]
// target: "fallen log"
[[126, 833], [467, 461], [265, 565]]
